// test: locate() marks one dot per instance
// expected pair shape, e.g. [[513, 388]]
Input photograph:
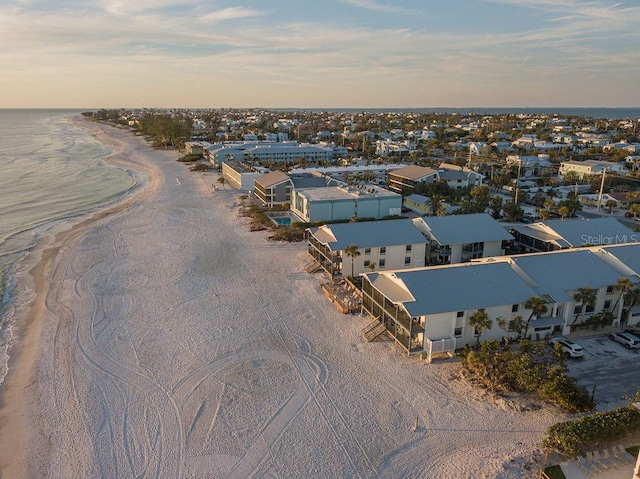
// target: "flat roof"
[[343, 193]]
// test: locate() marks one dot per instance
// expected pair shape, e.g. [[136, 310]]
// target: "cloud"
[[379, 7], [195, 43]]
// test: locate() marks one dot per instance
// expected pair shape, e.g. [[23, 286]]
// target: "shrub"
[[199, 167], [564, 391], [529, 369], [288, 233], [190, 158], [573, 437]]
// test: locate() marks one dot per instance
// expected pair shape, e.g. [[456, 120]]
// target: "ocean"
[[50, 170]]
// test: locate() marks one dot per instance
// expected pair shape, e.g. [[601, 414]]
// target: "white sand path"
[[174, 343]]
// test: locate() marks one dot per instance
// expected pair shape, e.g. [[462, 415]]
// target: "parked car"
[[569, 348], [628, 340]]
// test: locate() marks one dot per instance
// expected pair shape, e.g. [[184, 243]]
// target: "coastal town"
[[450, 232], [465, 192], [189, 320]]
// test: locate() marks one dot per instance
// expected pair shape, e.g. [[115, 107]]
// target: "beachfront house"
[[461, 238], [380, 245]]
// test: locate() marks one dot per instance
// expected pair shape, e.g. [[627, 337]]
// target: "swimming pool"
[[283, 218]]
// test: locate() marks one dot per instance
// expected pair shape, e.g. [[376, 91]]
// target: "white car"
[[568, 347], [628, 340]]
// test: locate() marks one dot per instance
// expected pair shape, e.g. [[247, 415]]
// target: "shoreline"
[[30, 275]]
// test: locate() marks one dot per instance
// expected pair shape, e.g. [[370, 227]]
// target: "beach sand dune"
[[167, 341]]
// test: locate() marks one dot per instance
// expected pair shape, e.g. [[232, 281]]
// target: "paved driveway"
[[612, 369]]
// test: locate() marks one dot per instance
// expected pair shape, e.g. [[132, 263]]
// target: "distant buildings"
[[588, 168], [405, 179], [264, 151]]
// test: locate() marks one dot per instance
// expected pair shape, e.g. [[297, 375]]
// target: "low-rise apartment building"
[[461, 238], [381, 245], [430, 305]]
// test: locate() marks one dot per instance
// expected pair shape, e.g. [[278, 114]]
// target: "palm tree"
[[632, 297], [222, 181], [623, 285], [586, 296], [352, 251], [610, 204], [549, 204], [480, 321], [538, 307], [372, 266], [563, 211]]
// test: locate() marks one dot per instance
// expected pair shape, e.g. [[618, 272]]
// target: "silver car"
[[628, 340], [568, 347]]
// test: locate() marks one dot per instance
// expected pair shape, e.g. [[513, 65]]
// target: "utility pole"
[[518, 182], [601, 189]]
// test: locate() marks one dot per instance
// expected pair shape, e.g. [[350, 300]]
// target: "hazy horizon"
[[320, 55]]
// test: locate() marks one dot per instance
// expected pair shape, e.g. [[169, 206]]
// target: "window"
[[607, 304], [367, 251], [514, 308], [577, 309], [407, 260], [381, 263], [383, 250], [610, 289], [408, 248], [457, 332], [460, 314], [366, 263], [589, 309]]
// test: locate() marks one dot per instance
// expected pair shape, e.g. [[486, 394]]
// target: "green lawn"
[[554, 472]]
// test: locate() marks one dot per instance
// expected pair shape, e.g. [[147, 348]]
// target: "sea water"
[[50, 170]]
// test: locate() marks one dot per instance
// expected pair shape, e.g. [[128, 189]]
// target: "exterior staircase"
[[312, 267], [373, 330]]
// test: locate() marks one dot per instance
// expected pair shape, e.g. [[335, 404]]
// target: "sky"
[[319, 53]]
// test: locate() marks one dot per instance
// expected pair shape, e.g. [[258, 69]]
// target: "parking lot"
[[607, 365]]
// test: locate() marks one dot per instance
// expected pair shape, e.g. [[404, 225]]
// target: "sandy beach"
[[159, 338]]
